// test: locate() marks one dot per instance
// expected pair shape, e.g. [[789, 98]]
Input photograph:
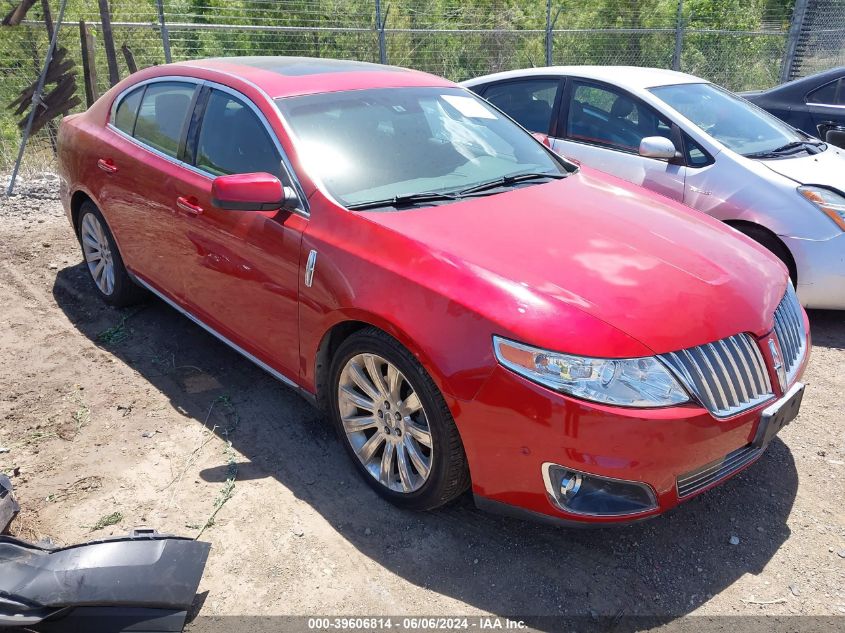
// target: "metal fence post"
[[380, 23], [550, 25], [795, 26], [165, 35], [36, 97], [679, 37]]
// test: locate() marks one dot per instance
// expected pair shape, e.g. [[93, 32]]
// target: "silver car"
[[697, 143]]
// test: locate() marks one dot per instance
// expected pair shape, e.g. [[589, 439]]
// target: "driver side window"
[[600, 115]]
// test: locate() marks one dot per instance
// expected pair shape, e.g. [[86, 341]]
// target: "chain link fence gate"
[[741, 44]]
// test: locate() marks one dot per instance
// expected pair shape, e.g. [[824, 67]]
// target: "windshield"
[[370, 145], [737, 124]]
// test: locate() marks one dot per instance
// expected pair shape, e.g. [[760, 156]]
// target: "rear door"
[[602, 127], [244, 266], [141, 161]]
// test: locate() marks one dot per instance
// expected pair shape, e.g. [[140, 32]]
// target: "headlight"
[[629, 382], [829, 202]]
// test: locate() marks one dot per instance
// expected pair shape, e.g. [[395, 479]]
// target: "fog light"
[[581, 493]]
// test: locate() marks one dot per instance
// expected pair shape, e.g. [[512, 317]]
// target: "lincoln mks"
[[471, 310]]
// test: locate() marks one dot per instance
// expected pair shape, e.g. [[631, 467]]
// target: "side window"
[[162, 115], [696, 156], [832, 93], [127, 110], [232, 139], [604, 116], [528, 102]]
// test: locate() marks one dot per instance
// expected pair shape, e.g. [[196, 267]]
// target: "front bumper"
[[513, 427], [821, 271]]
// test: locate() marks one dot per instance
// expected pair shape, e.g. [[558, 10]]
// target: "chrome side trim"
[[277, 375], [309, 268]]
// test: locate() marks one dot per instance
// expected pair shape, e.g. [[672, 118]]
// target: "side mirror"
[[252, 192], [657, 147], [836, 136]]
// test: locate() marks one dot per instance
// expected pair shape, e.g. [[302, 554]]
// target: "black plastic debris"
[[143, 582]]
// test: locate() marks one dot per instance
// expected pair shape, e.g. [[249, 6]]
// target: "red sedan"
[[470, 309]]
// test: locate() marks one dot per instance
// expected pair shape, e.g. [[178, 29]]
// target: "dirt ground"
[[113, 419]]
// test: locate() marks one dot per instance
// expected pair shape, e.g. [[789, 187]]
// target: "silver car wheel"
[[385, 423], [98, 255]]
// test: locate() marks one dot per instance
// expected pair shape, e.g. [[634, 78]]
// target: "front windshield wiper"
[[404, 200], [784, 149], [506, 181]]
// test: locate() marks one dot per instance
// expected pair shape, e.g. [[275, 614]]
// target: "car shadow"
[[827, 327], [663, 568]]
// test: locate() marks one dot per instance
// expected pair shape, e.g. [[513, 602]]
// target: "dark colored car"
[[814, 104]]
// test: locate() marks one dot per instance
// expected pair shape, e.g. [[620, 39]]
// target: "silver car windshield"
[[737, 124], [369, 145]]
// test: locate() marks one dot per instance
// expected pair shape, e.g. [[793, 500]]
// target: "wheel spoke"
[[386, 473], [109, 279], [412, 403], [375, 373], [394, 382], [358, 400], [90, 240], [364, 384], [418, 433], [417, 459], [404, 471], [357, 423], [366, 452], [98, 270]]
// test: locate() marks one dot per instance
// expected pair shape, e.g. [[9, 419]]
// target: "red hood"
[[663, 274]]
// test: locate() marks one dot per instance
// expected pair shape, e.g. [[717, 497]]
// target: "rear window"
[[127, 110], [163, 114]]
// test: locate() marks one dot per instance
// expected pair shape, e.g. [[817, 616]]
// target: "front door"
[[602, 127], [244, 266]]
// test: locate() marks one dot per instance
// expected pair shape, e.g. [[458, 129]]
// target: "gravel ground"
[[138, 417]]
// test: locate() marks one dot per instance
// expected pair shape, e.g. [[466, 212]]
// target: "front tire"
[[394, 423], [103, 260]]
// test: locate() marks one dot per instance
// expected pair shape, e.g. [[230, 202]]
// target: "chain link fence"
[[741, 44]]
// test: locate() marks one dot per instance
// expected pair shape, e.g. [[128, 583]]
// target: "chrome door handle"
[[189, 205]]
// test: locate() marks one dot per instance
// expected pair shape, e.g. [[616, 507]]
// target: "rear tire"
[[773, 244], [394, 423], [103, 260]]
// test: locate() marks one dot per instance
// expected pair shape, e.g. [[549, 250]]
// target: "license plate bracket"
[[778, 415]]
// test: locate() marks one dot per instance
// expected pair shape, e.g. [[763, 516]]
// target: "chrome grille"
[[700, 478], [789, 327], [727, 376]]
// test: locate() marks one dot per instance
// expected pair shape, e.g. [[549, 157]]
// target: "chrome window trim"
[[286, 165]]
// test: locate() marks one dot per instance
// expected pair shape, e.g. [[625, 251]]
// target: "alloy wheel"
[[385, 423], [98, 255]]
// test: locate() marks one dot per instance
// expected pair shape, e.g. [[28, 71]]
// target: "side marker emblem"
[[309, 268]]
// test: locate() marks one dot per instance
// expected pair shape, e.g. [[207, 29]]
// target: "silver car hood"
[[826, 168]]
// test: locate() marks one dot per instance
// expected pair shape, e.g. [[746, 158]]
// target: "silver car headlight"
[[627, 382], [828, 202]]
